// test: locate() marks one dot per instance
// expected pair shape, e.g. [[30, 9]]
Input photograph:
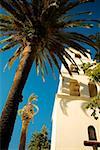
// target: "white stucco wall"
[[69, 122], [71, 129]]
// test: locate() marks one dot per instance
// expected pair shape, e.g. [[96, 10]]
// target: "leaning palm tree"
[[38, 28]]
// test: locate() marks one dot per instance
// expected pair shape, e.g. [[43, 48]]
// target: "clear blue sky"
[[45, 90]]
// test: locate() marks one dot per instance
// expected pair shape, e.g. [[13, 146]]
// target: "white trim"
[[65, 96]]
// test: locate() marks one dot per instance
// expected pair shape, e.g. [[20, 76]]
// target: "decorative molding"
[[68, 97]]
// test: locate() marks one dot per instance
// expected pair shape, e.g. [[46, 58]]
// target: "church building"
[[72, 127]]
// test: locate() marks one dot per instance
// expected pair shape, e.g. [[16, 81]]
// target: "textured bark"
[[9, 112], [23, 138]]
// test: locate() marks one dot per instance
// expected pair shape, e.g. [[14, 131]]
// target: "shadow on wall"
[[63, 105], [71, 87], [84, 89]]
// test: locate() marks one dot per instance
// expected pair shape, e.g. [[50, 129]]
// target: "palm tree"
[[27, 113], [96, 39], [39, 30]]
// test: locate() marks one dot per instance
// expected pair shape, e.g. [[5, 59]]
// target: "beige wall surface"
[[69, 121], [71, 128]]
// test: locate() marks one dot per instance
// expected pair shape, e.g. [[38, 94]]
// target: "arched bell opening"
[[74, 87], [92, 89]]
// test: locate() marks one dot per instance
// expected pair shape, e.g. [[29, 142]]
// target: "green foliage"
[[44, 131], [45, 25], [32, 97], [94, 105], [85, 66], [20, 111], [94, 73], [39, 140]]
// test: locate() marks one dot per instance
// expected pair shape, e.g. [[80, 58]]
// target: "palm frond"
[[62, 59], [32, 97], [77, 47], [80, 38], [20, 111], [26, 9], [15, 56], [11, 10], [53, 57], [37, 66], [44, 60], [4, 34], [84, 39], [66, 39], [4, 28], [6, 19], [79, 23], [63, 51], [15, 5], [74, 4], [9, 46], [41, 66], [49, 59], [7, 39], [40, 61], [70, 16], [70, 5], [78, 14], [45, 25]]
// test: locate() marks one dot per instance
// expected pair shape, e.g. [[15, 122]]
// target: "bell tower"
[[70, 123]]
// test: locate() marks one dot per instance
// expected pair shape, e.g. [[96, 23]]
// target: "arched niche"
[[92, 89], [74, 68], [77, 55], [74, 87], [92, 133]]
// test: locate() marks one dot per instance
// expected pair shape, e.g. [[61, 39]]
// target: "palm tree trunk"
[[9, 112], [23, 138]]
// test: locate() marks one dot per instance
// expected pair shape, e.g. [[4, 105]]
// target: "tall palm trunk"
[[23, 137], [9, 113]]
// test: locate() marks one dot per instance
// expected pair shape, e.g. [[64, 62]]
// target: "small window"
[[74, 88], [92, 133], [73, 68], [92, 89], [77, 55]]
